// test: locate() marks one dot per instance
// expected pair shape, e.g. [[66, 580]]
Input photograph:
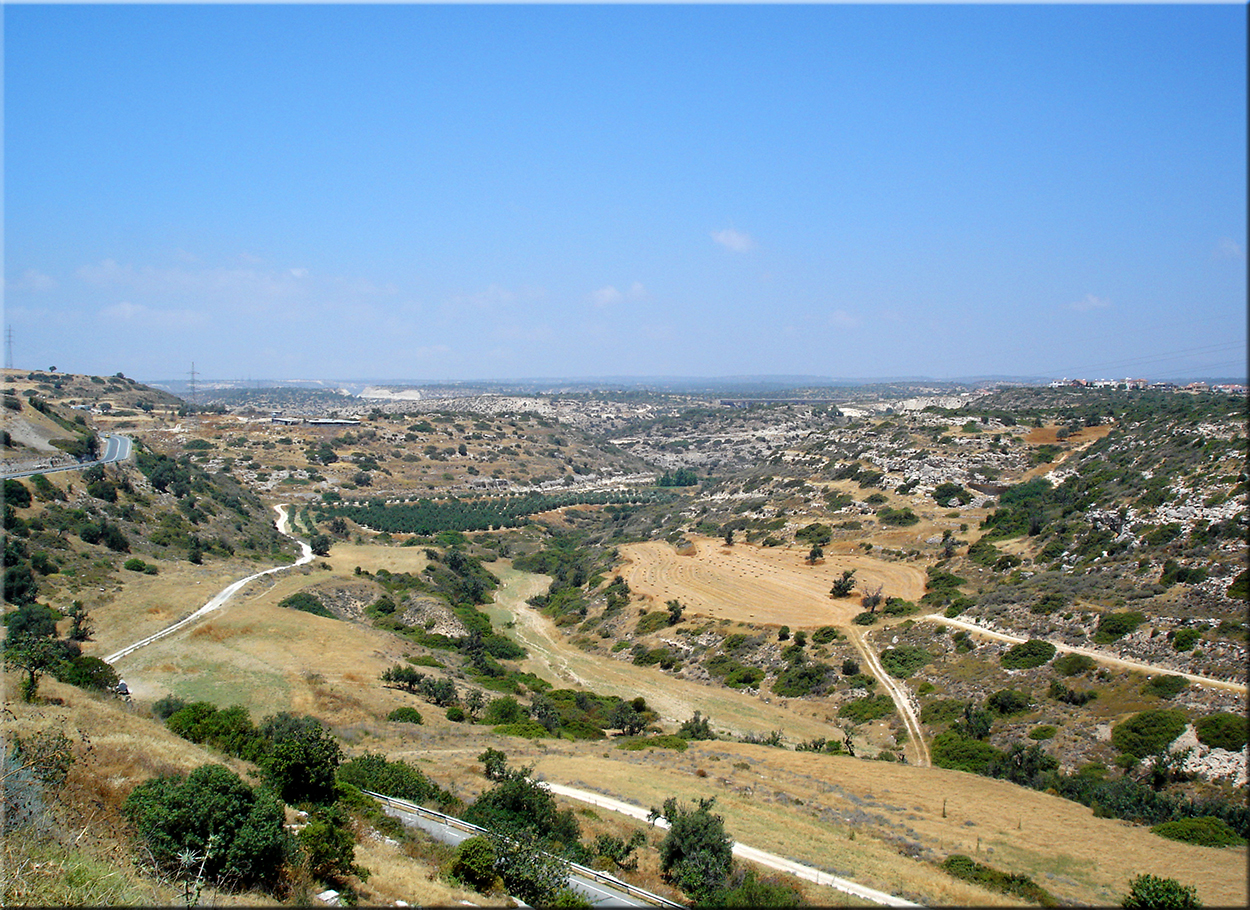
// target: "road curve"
[[117, 448], [222, 596], [763, 858]]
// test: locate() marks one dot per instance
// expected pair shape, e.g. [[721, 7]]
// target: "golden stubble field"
[[763, 585], [853, 817]]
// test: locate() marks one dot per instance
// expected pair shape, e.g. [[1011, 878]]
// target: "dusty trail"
[[676, 700], [898, 692], [1100, 656], [222, 596]]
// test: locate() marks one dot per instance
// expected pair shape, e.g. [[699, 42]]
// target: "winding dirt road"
[[220, 599]]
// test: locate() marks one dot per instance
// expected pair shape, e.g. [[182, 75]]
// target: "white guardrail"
[[595, 874]]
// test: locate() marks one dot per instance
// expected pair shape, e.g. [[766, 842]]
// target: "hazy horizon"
[[632, 191]]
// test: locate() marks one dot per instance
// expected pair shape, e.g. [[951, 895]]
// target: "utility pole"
[[193, 374], [8, 348]]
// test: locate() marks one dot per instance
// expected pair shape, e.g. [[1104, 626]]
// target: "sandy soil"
[[769, 585]]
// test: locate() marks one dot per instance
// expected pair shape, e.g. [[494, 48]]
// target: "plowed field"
[[773, 585]]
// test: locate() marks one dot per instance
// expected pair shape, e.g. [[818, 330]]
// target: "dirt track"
[[749, 584]]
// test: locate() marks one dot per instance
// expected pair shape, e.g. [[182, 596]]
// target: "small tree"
[[495, 764], [696, 854], [729, 537], [675, 610], [80, 628], [844, 585], [814, 554], [33, 656], [626, 718], [320, 544], [871, 599]]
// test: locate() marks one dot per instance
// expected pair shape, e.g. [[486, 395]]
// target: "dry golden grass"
[[763, 585], [269, 658]]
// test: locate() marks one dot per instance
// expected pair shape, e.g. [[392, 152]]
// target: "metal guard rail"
[[603, 877]]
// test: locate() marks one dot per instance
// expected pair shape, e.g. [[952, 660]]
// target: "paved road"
[[598, 893], [116, 448], [771, 860]]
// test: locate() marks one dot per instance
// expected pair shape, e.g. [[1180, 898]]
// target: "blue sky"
[[457, 192]]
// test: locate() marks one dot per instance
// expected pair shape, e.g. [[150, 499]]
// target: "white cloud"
[[842, 319], [606, 296], [609, 295], [1228, 248], [737, 241], [1089, 302], [33, 281], [299, 273], [128, 312]]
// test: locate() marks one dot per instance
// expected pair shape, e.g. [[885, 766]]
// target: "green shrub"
[[666, 741], [1006, 702], [475, 863], [744, 677], [173, 815], [868, 708], [1184, 639], [1222, 731], [950, 750], [1205, 831], [824, 635], [406, 715], [1148, 732], [1043, 732], [134, 564], [1074, 664], [1024, 656], [1165, 686], [455, 714], [968, 869], [1148, 892], [652, 622], [1114, 626], [866, 618], [904, 660], [805, 679], [307, 603], [526, 729], [942, 711]]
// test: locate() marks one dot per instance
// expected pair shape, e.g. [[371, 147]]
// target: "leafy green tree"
[[494, 764], [696, 854], [301, 761], [531, 874], [1148, 892], [329, 844], [626, 718], [174, 815], [844, 585], [30, 620], [34, 657], [675, 610], [320, 544], [475, 863], [407, 678], [520, 807]]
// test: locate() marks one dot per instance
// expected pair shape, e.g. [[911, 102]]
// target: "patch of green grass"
[[666, 741]]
